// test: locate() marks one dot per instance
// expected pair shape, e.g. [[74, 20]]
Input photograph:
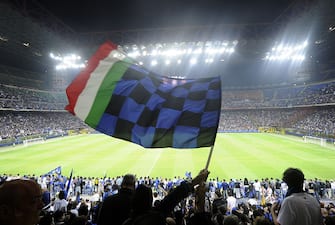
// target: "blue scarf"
[[292, 190]]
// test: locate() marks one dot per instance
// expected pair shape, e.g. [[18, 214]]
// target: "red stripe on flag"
[[79, 83]]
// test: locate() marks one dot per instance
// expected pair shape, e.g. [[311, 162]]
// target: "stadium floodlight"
[[224, 43], [197, 51], [210, 51], [209, 60], [153, 62], [70, 61], [134, 54], [231, 50], [298, 57], [287, 52], [193, 61], [208, 43], [55, 57], [222, 50], [64, 66], [181, 50]]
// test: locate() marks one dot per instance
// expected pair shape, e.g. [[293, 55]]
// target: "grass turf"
[[237, 155]]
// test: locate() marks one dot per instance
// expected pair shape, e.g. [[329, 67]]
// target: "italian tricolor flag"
[[91, 91]]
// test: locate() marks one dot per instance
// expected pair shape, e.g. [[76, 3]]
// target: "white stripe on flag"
[[87, 96]]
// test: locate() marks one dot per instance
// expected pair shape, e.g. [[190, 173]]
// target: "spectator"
[[116, 208], [257, 189], [201, 217], [46, 219], [20, 202], [262, 221], [231, 220], [144, 213], [298, 207], [60, 203], [231, 202], [59, 217], [330, 220]]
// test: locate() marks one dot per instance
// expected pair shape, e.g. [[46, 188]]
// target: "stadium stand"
[[28, 111], [315, 94], [18, 77], [299, 110]]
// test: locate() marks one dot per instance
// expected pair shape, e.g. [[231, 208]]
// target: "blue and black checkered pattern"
[[155, 111]]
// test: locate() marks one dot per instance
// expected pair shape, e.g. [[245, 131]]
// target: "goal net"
[[315, 140], [33, 141]]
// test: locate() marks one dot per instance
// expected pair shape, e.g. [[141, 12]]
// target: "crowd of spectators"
[[321, 121], [18, 124], [241, 199], [314, 121], [27, 111], [15, 98], [18, 98], [280, 97]]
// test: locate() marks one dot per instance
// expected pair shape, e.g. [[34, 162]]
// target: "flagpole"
[[209, 157], [69, 184]]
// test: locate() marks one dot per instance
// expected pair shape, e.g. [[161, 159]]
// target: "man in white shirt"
[[257, 188], [298, 207], [332, 186], [60, 203], [231, 202]]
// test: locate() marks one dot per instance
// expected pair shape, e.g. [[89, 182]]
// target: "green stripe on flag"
[[105, 92]]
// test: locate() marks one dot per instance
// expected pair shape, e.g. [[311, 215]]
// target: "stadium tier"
[[301, 110]]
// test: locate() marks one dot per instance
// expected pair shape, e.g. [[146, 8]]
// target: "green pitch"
[[234, 156]]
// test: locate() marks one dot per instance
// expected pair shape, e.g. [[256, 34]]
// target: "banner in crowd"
[[117, 97], [56, 171]]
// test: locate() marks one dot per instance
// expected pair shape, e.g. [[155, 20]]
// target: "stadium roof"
[[103, 15], [31, 29]]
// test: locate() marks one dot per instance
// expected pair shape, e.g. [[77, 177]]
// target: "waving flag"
[[68, 184], [56, 171], [119, 98]]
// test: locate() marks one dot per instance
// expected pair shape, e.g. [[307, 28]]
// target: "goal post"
[[315, 140], [33, 141]]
